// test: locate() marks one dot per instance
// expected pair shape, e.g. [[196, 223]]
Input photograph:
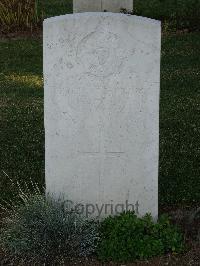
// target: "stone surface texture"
[[114, 6], [101, 85], [87, 6]]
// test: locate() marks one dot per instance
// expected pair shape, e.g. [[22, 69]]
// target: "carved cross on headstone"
[[103, 152], [114, 6]]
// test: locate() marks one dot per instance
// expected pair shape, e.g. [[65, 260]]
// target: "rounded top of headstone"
[[134, 18]]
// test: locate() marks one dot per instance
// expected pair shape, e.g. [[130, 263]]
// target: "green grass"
[[21, 117], [180, 120], [56, 7], [21, 114], [174, 14]]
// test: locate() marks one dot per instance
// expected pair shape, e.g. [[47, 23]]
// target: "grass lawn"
[[179, 179], [21, 117], [56, 7]]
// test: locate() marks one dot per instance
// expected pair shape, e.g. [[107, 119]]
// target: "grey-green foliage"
[[43, 228]]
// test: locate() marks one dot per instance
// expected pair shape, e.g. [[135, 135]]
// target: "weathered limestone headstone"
[[114, 6], [87, 6], [102, 78]]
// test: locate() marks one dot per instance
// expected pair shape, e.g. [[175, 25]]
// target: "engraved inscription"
[[98, 52]]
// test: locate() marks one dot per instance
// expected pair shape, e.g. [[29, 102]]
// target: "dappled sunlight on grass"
[[183, 74], [28, 80]]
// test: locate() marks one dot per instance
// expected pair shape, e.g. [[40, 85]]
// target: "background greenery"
[[174, 14], [19, 15]]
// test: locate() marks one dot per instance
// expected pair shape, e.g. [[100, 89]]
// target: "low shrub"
[[126, 238], [19, 15], [43, 229]]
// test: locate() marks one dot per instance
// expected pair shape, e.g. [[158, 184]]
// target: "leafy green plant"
[[19, 15], [43, 229], [127, 237]]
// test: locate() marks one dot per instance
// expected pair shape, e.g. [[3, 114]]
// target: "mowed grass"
[[56, 7], [22, 130], [21, 115], [179, 179]]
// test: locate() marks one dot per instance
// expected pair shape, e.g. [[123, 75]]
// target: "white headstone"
[[102, 78], [87, 6], [114, 6]]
